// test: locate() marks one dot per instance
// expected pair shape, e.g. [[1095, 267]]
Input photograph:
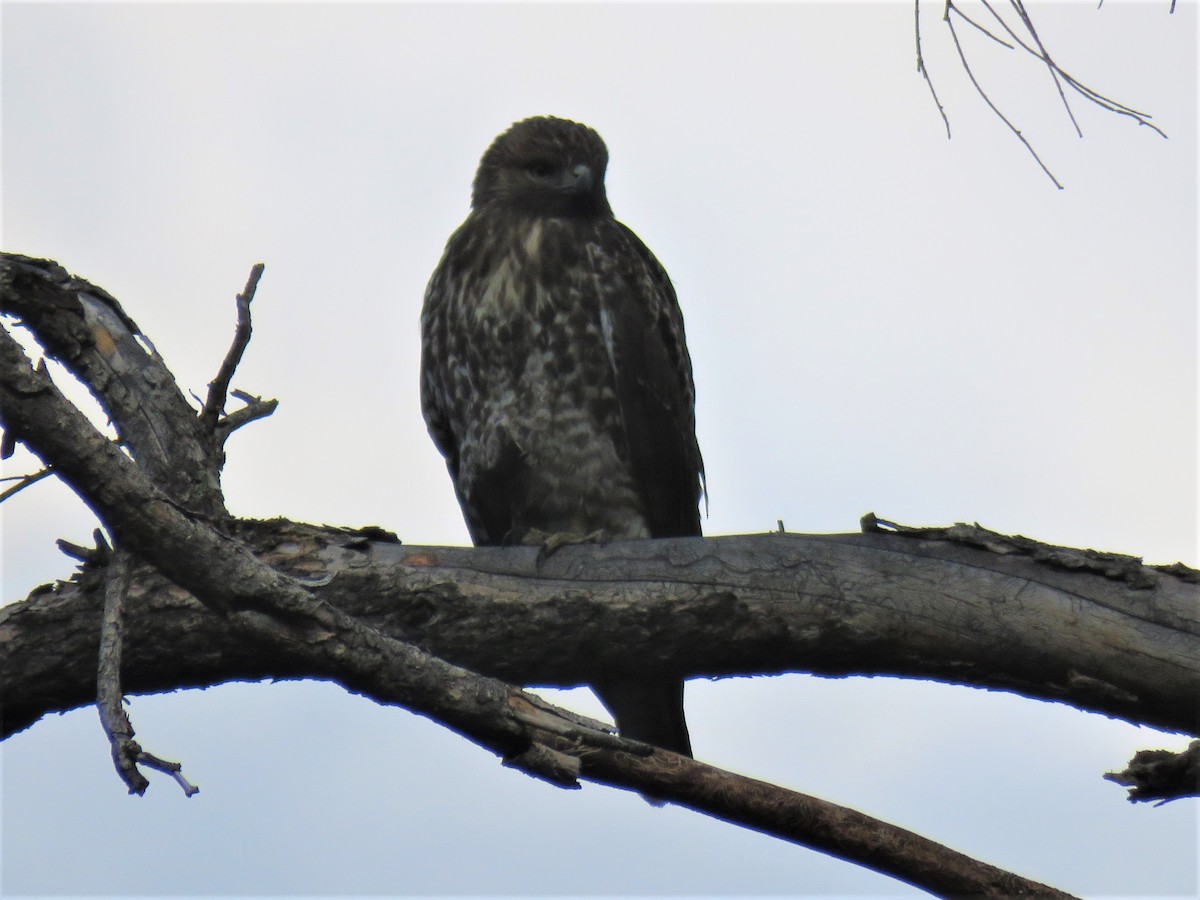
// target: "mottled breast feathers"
[[555, 376]]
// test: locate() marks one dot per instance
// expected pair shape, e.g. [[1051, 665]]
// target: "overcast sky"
[[879, 319]]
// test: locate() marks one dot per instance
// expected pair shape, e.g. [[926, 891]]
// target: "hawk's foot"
[[550, 543]]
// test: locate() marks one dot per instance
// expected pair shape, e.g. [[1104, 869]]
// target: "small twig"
[[1161, 775], [988, 100], [218, 388], [999, 40], [255, 408], [1051, 66], [925, 72], [1094, 96], [174, 769], [98, 555], [1038, 50], [126, 752], [24, 481], [1112, 105], [117, 727], [1008, 28]]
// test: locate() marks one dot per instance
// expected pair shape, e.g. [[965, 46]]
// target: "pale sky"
[[879, 320]]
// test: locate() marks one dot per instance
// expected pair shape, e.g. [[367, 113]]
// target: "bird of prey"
[[555, 379]]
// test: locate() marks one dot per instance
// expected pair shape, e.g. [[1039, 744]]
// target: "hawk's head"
[[544, 167]]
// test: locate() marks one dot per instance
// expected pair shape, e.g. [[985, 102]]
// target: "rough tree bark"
[[446, 632]]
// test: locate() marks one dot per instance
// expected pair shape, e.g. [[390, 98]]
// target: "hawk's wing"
[[643, 329]]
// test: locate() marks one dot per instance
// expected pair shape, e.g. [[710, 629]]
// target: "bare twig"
[[24, 481], [255, 408], [925, 72], [126, 752], [1035, 48], [174, 769], [1051, 66], [1161, 775], [999, 40], [218, 388], [1092, 95], [988, 100], [98, 555], [109, 696]]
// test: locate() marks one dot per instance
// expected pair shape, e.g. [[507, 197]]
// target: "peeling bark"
[[874, 604]]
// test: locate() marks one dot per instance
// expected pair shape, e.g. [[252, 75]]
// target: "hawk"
[[555, 378]]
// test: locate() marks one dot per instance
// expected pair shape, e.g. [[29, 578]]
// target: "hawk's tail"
[[648, 710]]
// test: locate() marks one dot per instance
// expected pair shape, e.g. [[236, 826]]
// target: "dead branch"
[[23, 481], [109, 696], [218, 388], [988, 100], [84, 328], [434, 630], [855, 604], [1032, 44], [925, 72], [256, 408], [264, 603], [1161, 775]]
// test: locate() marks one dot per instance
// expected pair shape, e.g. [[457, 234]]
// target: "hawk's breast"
[[520, 364]]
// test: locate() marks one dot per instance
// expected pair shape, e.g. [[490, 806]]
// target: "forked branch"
[[218, 388], [1023, 36]]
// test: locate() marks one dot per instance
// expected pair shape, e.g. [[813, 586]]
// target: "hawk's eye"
[[539, 169]]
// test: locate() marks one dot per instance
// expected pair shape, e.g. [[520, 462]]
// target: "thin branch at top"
[[999, 40], [1036, 48], [218, 388], [1042, 54], [988, 100], [24, 481], [925, 72]]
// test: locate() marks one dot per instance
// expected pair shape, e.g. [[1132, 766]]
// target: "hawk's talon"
[[550, 543]]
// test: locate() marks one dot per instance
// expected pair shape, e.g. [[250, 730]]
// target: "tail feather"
[[648, 710]]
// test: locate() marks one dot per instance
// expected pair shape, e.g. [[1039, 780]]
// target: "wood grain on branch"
[[855, 604]]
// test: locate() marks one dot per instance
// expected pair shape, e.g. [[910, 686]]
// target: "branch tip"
[[24, 481], [218, 388]]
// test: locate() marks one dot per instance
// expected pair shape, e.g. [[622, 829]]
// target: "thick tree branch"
[[867, 604], [85, 328], [228, 578], [402, 624], [279, 612]]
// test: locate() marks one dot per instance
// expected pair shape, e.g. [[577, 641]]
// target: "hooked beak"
[[578, 180]]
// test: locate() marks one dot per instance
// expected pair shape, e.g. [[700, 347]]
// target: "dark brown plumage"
[[555, 378]]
